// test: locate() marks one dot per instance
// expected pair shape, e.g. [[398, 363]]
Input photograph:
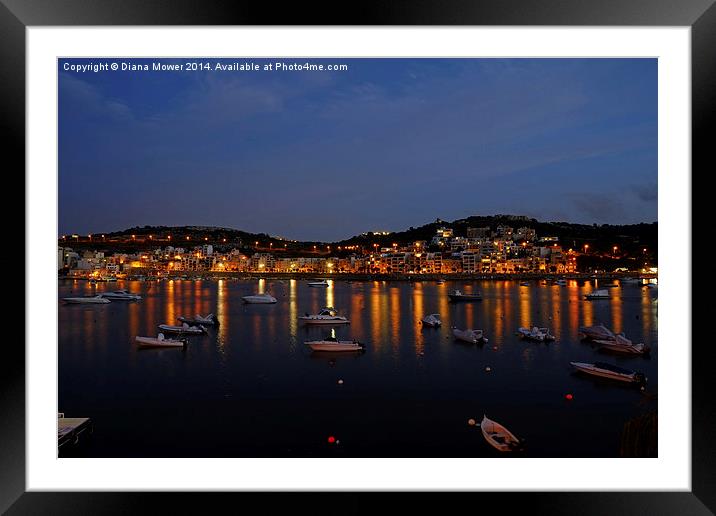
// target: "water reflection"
[[256, 356]]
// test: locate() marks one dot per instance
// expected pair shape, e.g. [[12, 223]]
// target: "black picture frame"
[[700, 15]]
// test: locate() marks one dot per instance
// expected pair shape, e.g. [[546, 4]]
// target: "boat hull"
[[604, 373], [627, 349], [498, 436], [86, 301], [464, 299], [151, 342], [180, 331], [308, 320], [258, 301], [334, 346]]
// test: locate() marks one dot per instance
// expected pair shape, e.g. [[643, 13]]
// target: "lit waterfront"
[[250, 388]]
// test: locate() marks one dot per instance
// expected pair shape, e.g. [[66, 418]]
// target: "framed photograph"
[[419, 250]]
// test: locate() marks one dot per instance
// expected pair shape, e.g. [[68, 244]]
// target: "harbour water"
[[251, 388]]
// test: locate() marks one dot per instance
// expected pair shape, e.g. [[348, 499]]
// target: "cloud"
[[85, 99], [646, 192], [599, 207]]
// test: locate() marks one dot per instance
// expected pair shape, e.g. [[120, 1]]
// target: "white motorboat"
[[538, 334], [561, 282], [458, 295], [440, 281], [621, 344], [498, 436], [598, 332], [333, 344], [469, 335], [122, 295], [432, 320], [327, 315], [259, 299], [159, 342], [98, 299], [322, 283], [604, 370], [184, 329], [598, 294], [210, 320]]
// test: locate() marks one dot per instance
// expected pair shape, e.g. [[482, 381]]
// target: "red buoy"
[[568, 396], [331, 439]]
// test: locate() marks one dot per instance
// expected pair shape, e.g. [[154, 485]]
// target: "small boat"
[[432, 320], [598, 294], [561, 282], [598, 332], [322, 283], [440, 281], [538, 334], [498, 436], [210, 320], [333, 344], [184, 329], [122, 295], [98, 299], [458, 295], [621, 344], [327, 315], [610, 371], [259, 299], [469, 335], [650, 285], [630, 281], [524, 283], [159, 342]]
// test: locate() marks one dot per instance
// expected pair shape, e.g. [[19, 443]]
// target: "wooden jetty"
[[69, 429]]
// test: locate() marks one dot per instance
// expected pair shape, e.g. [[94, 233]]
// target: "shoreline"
[[192, 275]]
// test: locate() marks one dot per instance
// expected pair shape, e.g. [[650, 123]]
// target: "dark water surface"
[[251, 387]]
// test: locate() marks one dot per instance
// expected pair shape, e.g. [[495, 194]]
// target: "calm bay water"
[[251, 388]]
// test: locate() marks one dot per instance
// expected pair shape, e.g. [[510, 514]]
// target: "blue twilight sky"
[[388, 144]]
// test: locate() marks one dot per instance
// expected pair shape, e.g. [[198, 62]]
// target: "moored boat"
[[538, 334], [610, 371], [259, 299], [159, 342], [598, 294], [432, 320], [322, 283], [333, 344], [89, 300], [327, 315], [210, 320], [621, 344], [184, 329], [598, 332], [459, 295], [121, 295], [469, 335], [498, 436]]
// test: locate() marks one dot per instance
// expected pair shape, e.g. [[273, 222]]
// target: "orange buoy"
[[471, 422]]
